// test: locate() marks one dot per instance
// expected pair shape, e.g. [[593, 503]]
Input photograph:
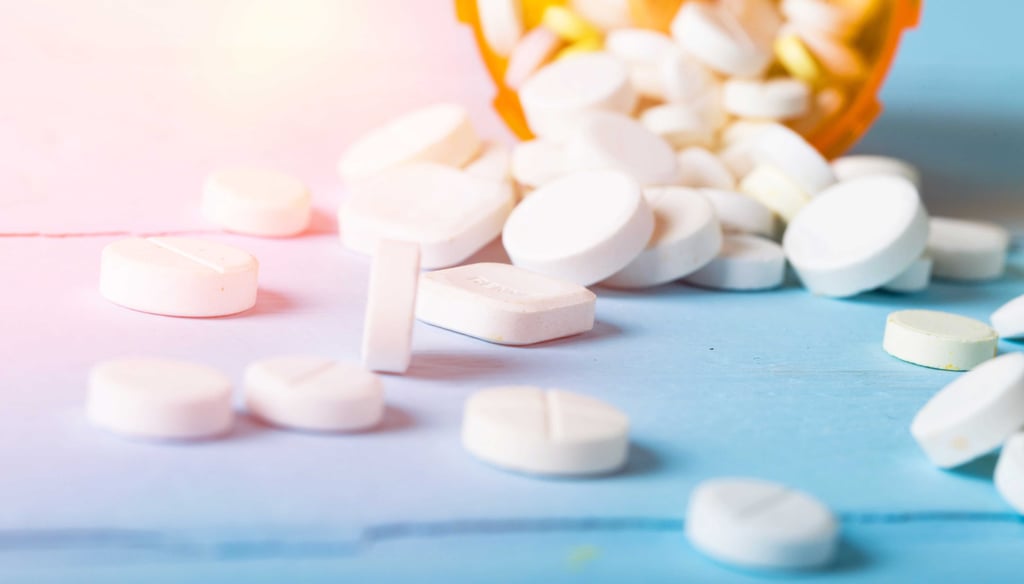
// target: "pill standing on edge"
[[159, 399], [758, 524], [257, 202], [967, 250], [746, 263], [939, 340], [391, 307], [974, 414], [178, 276], [1008, 319], [313, 393], [545, 432], [1009, 475]]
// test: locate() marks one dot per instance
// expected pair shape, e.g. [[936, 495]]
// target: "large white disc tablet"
[[1009, 476], [795, 157], [257, 202], [939, 340], [159, 398], [558, 97], [686, 237], [714, 35], [857, 235], [447, 212], [861, 165], [178, 276], [583, 227], [607, 140], [1008, 320], [967, 250], [913, 279], [504, 304], [753, 523], [973, 415], [391, 306], [740, 213], [548, 432], [440, 133], [746, 263], [313, 393]]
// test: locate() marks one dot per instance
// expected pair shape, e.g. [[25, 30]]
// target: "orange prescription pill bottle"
[[877, 42]]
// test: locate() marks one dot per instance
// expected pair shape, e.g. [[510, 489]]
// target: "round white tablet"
[[313, 393], [159, 398], [686, 237], [256, 202], [939, 340], [746, 263], [391, 307], [440, 133], [857, 235], [771, 99], [501, 22], [753, 523], [1008, 320], [548, 432], [711, 33], [536, 162], [795, 157], [178, 276], [558, 96], [447, 212], [967, 250], [740, 213], [1009, 476], [774, 189], [973, 415], [913, 279], [607, 140], [861, 165], [643, 51], [699, 168], [582, 228], [681, 125]]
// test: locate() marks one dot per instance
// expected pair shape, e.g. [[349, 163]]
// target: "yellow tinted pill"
[[567, 24], [798, 60], [587, 45]]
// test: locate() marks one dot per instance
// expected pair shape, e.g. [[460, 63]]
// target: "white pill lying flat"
[[642, 51], [493, 163], [549, 432], [720, 40], [740, 213], [447, 212], [699, 168], [159, 398], [440, 133], [681, 125], [759, 524], [772, 99], [536, 162], [686, 237], [501, 22], [504, 304], [915, 278], [558, 96], [795, 157], [178, 276], [1009, 475], [973, 415], [940, 340], [391, 307], [256, 202], [606, 140], [583, 227], [858, 166], [746, 263], [1008, 320], [857, 235], [313, 393], [771, 187], [967, 250]]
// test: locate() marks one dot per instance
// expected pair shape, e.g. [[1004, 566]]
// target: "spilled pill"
[[939, 340], [257, 202], [390, 307]]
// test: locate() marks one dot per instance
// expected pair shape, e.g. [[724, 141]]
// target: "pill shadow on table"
[[267, 302], [982, 468], [443, 365]]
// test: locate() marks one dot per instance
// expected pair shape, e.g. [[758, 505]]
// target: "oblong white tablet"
[[159, 398], [915, 278], [795, 157], [391, 307], [939, 340], [699, 168], [1009, 475], [606, 140], [967, 250], [974, 414], [547, 432], [558, 96], [740, 213], [686, 237], [771, 187], [583, 227], [772, 99], [746, 263], [861, 165], [501, 22], [711, 33], [256, 202], [313, 393], [857, 235], [441, 133], [536, 162], [178, 276], [1008, 319], [447, 212], [759, 524], [504, 304], [681, 125]]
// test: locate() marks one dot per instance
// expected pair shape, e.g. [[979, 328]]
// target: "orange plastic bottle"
[[878, 43]]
